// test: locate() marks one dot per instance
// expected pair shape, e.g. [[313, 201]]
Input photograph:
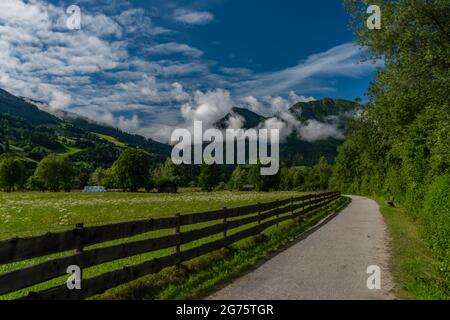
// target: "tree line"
[[136, 169], [400, 146]]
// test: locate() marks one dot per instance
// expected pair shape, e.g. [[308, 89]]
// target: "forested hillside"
[[400, 146], [31, 134]]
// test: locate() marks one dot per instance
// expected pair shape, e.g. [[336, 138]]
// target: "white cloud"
[[342, 60], [235, 121], [315, 130], [269, 106], [129, 124], [310, 131], [285, 128], [207, 107], [193, 17], [60, 100], [172, 47], [101, 25], [159, 132], [241, 72], [136, 21], [36, 54]]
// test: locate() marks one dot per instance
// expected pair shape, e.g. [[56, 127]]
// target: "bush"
[[221, 186], [436, 219]]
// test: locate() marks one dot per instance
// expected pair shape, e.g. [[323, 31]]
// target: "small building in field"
[[95, 189], [248, 187], [168, 187]]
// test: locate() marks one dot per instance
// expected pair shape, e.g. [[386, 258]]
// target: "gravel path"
[[330, 263]]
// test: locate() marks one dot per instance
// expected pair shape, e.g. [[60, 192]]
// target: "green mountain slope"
[[321, 109], [10, 104], [31, 134]]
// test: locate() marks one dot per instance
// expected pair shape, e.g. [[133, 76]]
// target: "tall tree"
[[131, 169], [238, 178], [55, 172], [325, 172], [12, 173], [67, 173], [165, 172], [210, 176], [260, 182], [97, 177], [287, 178]]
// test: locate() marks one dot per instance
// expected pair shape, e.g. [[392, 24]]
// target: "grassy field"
[[415, 270], [36, 213]]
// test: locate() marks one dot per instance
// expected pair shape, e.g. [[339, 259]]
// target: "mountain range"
[[311, 129], [31, 130]]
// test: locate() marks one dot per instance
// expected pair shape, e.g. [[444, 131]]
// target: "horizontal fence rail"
[[19, 249]]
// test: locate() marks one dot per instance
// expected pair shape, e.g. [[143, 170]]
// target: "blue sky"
[[150, 66]]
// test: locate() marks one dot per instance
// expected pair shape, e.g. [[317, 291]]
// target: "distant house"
[[248, 187], [94, 189], [168, 187]]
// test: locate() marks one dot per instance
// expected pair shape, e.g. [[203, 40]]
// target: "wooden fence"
[[259, 217]]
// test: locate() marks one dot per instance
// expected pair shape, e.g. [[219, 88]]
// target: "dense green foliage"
[[12, 173], [182, 175], [435, 217], [131, 170], [209, 177], [400, 147], [54, 173], [416, 271], [238, 178], [303, 178], [260, 182]]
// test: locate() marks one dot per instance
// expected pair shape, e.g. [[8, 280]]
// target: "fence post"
[[278, 214], [292, 207], [177, 232], [79, 230], [302, 216], [225, 225], [259, 213]]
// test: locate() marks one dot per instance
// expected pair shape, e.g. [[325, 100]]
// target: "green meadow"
[[33, 213]]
